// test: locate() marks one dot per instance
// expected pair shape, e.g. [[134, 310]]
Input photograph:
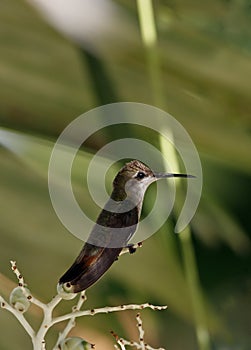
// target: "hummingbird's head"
[[132, 181], [134, 178]]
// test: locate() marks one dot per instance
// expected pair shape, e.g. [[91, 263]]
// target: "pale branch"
[[38, 338], [19, 316], [71, 323], [47, 321], [22, 284], [148, 347], [119, 341], [137, 345], [107, 309], [141, 345], [17, 273], [141, 332], [121, 348], [53, 303]]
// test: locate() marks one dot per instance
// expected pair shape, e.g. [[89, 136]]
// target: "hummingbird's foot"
[[134, 247], [131, 248]]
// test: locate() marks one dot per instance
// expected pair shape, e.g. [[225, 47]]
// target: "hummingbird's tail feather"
[[89, 266]]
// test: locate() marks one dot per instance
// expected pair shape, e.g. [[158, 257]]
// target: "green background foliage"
[[47, 80]]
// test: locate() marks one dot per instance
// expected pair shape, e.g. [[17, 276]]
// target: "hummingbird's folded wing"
[[115, 225], [108, 237]]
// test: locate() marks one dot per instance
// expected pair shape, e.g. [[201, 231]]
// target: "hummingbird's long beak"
[[165, 175]]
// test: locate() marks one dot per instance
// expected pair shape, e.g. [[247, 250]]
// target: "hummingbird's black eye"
[[140, 175]]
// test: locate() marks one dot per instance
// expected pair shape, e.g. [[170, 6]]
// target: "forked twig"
[[22, 294]]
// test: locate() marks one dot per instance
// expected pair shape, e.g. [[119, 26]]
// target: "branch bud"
[[65, 292], [75, 343], [18, 300]]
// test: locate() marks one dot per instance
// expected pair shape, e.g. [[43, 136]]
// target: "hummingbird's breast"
[[115, 225]]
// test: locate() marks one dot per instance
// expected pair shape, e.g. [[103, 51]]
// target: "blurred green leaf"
[[46, 82]]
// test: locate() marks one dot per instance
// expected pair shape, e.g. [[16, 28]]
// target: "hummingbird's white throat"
[[135, 189]]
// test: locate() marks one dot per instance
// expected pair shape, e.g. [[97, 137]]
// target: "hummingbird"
[[114, 227]]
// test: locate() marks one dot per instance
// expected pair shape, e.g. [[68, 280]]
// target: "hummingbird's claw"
[[131, 248]]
